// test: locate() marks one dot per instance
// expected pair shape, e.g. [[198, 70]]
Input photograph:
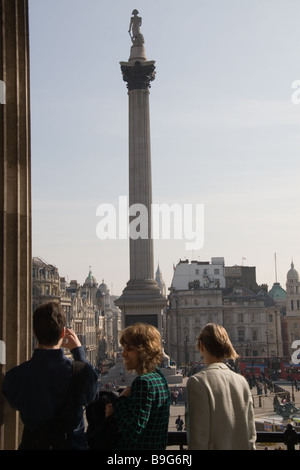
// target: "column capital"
[[138, 75]]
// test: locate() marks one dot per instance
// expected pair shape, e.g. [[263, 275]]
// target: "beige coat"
[[220, 412]]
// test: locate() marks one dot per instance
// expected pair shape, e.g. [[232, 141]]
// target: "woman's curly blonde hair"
[[147, 340]]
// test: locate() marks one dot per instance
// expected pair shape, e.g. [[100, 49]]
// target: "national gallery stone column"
[[15, 202], [141, 299]]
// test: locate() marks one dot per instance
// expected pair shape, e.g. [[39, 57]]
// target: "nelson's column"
[[141, 299]]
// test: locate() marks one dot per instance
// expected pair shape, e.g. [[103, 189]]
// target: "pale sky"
[[224, 129]]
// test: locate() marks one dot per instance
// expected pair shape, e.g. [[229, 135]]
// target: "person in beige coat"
[[219, 413]]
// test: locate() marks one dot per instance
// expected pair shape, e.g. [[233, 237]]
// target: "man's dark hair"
[[48, 323]]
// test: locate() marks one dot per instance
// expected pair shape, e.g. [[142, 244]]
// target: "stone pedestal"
[[142, 301], [137, 52], [15, 202]]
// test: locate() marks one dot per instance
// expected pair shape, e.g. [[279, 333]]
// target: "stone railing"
[[178, 438]]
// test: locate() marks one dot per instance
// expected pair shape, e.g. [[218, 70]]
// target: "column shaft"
[[15, 202], [140, 184]]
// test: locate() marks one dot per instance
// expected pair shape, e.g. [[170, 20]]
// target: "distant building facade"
[[187, 313], [199, 273], [253, 323], [278, 294], [242, 276], [45, 282], [89, 309], [202, 293], [291, 319]]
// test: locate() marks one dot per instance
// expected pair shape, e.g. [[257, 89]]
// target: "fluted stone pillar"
[[138, 79], [141, 299], [15, 202]]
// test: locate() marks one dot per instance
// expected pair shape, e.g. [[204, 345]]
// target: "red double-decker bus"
[[289, 371], [272, 368], [254, 366]]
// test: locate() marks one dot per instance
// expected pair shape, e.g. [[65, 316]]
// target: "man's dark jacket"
[[40, 387]]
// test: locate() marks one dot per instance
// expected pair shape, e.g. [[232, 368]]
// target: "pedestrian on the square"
[[290, 437], [179, 423], [220, 413], [174, 394], [142, 410]]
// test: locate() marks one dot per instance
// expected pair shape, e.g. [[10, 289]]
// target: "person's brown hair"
[[48, 323], [147, 340], [216, 341]]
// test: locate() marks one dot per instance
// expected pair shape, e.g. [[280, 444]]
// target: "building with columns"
[[187, 313], [251, 318], [253, 323]]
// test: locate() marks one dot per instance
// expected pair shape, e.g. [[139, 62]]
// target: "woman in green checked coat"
[[142, 411]]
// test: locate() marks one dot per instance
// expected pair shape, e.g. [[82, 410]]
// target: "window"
[[241, 335], [254, 335]]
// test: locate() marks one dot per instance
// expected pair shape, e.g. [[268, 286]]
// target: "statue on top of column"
[[135, 22]]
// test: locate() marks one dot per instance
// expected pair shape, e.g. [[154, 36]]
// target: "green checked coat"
[[143, 416]]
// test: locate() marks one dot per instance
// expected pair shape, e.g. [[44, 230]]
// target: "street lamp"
[[267, 336], [186, 358], [248, 350]]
